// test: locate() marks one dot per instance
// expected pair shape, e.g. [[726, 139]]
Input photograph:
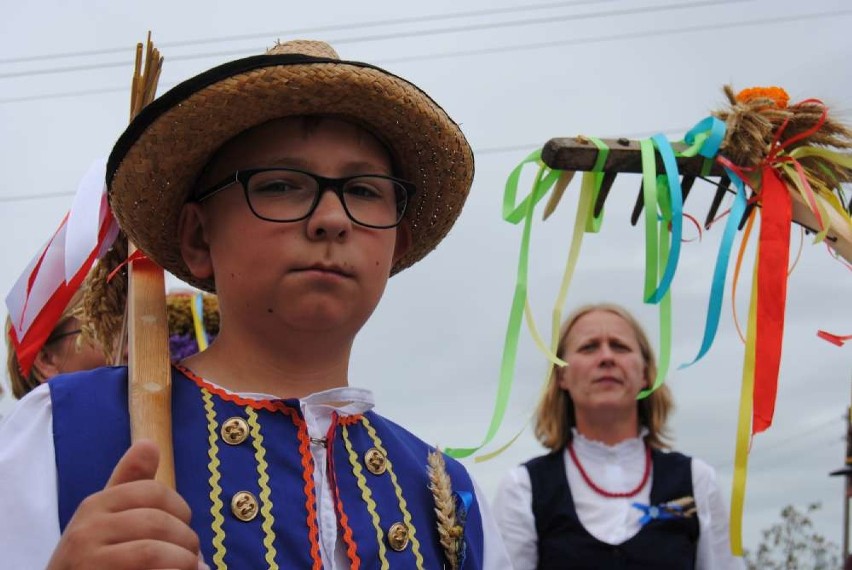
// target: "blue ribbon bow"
[[663, 511]]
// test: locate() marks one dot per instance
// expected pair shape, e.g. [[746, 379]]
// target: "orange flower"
[[777, 95]]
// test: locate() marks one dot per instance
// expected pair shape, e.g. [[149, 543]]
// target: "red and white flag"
[[41, 294]]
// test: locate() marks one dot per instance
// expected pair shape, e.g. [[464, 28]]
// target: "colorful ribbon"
[[665, 305], [774, 246], [717, 289], [743, 438], [663, 511], [674, 195], [545, 181], [514, 214], [197, 308], [834, 339]]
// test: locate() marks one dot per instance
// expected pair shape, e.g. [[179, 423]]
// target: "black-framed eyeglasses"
[[290, 195]]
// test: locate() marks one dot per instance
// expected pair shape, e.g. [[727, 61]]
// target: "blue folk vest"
[[245, 469], [563, 542]]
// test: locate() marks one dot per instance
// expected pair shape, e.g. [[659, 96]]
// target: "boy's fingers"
[[143, 554], [139, 462]]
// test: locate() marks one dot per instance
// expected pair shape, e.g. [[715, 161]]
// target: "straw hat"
[[156, 161]]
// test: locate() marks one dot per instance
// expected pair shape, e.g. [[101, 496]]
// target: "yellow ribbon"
[[743, 438]]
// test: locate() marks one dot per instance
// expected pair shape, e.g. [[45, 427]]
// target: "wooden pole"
[[150, 381], [150, 385], [580, 154]]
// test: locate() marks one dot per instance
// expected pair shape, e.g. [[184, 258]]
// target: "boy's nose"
[[329, 219]]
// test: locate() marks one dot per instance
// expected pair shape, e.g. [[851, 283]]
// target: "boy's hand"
[[135, 523]]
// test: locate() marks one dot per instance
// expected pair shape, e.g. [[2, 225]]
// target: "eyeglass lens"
[[288, 195]]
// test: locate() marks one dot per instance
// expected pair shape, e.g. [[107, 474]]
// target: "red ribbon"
[[773, 258], [135, 256], [774, 248], [833, 338]]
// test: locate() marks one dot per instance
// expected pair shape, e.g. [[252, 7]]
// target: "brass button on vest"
[[244, 506], [398, 536], [375, 461], [234, 431]]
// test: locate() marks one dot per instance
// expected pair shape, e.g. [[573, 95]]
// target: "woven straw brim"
[[155, 164]]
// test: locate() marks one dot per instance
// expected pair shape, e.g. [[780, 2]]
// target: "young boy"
[[293, 184]]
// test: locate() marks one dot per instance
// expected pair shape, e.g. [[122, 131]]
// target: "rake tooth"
[[746, 213], [637, 208], [721, 189], [606, 185], [686, 185]]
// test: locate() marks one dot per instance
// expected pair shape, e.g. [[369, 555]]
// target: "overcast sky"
[[513, 77]]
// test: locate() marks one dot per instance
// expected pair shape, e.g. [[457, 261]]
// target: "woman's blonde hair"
[[555, 414], [22, 384]]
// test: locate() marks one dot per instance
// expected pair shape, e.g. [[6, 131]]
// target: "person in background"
[[68, 350], [609, 494], [65, 350]]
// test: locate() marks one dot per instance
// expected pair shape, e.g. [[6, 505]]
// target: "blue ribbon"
[[714, 305], [658, 512], [714, 129], [463, 500], [675, 201]]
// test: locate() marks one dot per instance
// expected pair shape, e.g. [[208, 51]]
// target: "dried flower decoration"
[[776, 95]]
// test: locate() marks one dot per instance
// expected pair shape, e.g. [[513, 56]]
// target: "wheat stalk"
[[105, 300], [449, 531]]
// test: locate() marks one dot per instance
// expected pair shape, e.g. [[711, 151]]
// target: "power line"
[[499, 49], [298, 31], [617, 37], [396, 35]]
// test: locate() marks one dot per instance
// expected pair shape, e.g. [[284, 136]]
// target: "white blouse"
[[29, 526], [616, 468]]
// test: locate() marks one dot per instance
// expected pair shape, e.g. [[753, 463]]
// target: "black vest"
[[563, 542]]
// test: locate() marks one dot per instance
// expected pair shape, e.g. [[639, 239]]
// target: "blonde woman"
[[63, 351], [610, 494]]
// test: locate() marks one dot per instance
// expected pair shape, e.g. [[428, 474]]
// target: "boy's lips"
[[326, 268]]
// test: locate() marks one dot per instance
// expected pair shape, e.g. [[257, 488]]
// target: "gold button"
[[244, 506], [398, 536], [376, 461], [234, 431]]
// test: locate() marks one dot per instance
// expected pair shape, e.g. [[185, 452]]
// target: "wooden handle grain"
[[150, 385]]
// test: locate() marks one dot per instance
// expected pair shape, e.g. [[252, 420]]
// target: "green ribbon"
[[544, 181], [649, 195], [514, 214], [666, 302]]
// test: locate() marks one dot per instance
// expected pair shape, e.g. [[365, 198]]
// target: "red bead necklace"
[[604, 492]]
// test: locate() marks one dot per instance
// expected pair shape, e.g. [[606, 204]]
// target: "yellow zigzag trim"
[[367, 495], [403, 505], [215, 489], [265, 492]]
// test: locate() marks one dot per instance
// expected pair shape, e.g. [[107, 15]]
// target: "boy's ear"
[[194, 246], [403, 241], [46, 363]]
